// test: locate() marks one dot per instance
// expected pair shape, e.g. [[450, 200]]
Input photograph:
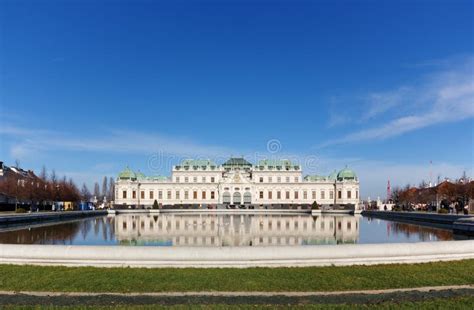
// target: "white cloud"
[[132, 142], [379, 103], [446, 96]]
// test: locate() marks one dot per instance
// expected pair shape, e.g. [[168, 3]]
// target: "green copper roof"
[[140, 176], [197, 163], [237, 162], [333, 176], [346, 174], [276, 163], [313, 178], [127, 174], [158, 178]]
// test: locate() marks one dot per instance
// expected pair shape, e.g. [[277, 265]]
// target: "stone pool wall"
[[236, 257]]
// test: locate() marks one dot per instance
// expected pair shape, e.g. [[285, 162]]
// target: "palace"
[[237, 182]]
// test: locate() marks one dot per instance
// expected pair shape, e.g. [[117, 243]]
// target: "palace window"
[[349, 194], [134, 195], [169, 194], [203, 179], [213, 179], [177, 179], [142, 194], [339, 194], [261, 179], [124, 194], [357, 194], [323, 195], [287, 179], [305, 195], [203, 194], [213, 195], [261, 195], [278, 195], [279, 179], [313, 195], [296, 194], [151, 194], [195, 179], [270, 180], [287, 195], [270, 193], [160, 195], [177, 195], [186, 179], [195, 195], [186, 195], [331, 195], [296, 179]]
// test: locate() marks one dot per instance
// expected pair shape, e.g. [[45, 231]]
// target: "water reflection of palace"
[[235, 230]]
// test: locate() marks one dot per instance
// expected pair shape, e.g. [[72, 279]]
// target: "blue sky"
[[381, 86]]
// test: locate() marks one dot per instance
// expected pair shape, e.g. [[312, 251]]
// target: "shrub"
[[20, 210], [443, 211], [397, 208], [155, 205], [314, 206]]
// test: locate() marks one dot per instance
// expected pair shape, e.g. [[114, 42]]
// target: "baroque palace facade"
[[237, 182]]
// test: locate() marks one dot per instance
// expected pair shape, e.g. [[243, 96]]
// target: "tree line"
[[445, 193], [48, 187]]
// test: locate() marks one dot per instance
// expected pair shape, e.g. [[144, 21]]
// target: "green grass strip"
[[88, 279]]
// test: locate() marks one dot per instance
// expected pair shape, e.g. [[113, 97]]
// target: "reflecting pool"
[[221, 230]]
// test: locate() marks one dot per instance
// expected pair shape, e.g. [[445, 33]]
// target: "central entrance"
[[237, 198]]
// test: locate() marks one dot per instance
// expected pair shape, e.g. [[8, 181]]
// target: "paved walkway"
[[267, 298]]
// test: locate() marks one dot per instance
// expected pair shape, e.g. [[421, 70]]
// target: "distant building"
[[237, 182], [18, 173]]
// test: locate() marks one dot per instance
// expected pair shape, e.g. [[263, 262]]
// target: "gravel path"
[[256, 298]]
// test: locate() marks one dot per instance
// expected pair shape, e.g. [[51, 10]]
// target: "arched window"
[[247, 198], [226, 198], [237, 198]]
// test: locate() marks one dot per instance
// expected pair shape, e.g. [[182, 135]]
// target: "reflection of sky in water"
[[222, 230], [381, 231]]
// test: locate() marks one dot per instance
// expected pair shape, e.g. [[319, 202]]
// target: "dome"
[[333, 176], [346, 174], [140, 176], [127, 174]]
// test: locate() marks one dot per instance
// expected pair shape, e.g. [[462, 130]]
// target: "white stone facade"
[[237, 182]]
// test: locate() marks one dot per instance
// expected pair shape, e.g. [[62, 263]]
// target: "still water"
[[221, 230]]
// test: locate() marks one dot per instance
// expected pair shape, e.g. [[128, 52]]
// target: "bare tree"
[[44, 174], [17, 163], [53, 177], [97, 191], [85, 193], [423, 184], [104, 188], [111, 195]]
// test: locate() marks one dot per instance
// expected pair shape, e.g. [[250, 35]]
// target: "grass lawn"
[[88, 279]]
